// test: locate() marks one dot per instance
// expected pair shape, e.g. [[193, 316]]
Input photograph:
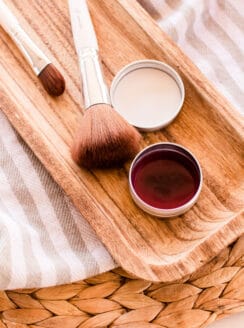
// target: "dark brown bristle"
[[104, 139], [52, 80]]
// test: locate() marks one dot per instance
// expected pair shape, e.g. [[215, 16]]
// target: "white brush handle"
[[83, 30], [94, 88], [32, 53]]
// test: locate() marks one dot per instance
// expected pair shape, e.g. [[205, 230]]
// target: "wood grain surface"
[[148, 247]]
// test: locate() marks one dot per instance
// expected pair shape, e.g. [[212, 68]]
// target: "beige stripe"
[[174, 4], [219, 32], [38, 202], [234, 9], [204, 51], [95, 247], [26, 221], [227, 21], [5, 252], [193, 52], [168, 26], [152, 10], [87, 262], [174, 24], [199, 50], [31, 213], [18, 272], [219, 52]]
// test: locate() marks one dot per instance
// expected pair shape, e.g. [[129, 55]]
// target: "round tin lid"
[[148, 94]]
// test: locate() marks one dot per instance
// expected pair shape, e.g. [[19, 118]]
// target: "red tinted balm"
[[166, 177]]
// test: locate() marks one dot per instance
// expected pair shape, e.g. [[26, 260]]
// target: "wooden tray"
[[148, 247]]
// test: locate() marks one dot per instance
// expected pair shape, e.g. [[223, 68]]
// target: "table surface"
[[235, 321]]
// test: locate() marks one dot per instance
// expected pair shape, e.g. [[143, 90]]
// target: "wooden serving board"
[[151, 248]]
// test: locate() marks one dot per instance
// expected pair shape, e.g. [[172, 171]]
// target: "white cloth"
[[43, 239], [211, 33]]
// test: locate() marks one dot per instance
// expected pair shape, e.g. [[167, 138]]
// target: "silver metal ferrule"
[[95, 90], [32, 53]]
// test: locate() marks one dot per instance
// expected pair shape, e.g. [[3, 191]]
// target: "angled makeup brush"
[[50, 77], [104, 138]]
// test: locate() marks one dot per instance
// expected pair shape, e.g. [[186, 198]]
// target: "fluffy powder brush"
[[104, 138], [49, 76]]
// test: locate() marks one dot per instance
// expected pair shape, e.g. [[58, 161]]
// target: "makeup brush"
[[50, 77], [104, 138]]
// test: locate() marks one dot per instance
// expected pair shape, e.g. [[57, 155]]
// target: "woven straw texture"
[[116, 299]]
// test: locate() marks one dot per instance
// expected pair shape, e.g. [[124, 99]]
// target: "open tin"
[[165, 179], [149, 94]]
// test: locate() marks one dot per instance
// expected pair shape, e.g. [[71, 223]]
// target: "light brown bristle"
[[104, 139], [52, 80]]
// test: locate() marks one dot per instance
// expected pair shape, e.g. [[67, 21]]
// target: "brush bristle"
[[104, 139], [52, 80]]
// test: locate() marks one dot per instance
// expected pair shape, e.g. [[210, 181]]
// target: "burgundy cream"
[[165, 179]]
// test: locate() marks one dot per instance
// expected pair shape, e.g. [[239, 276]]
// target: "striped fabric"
[[43, 240], [211, 33]]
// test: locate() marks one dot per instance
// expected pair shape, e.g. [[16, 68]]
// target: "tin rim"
[[148, 63], [161, 212]]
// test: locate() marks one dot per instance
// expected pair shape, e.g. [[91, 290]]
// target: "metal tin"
[[162, 212], [165, 115]]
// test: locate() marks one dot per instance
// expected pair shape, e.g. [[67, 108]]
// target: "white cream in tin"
[[148, 94]]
